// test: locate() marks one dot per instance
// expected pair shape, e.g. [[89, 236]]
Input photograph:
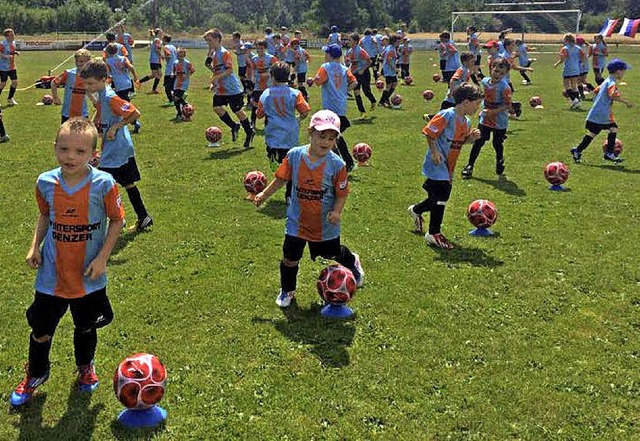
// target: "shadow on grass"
[[473, 256], [123, 241], [147, 433], [77, 423], [328, 338], [504, 185], [361, 121], [274, 208], [614, 167], [227, 153]]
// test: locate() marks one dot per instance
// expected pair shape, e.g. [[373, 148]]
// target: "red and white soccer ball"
[[535, 101], [362, 152], [428, 95], [213, 134], [336, 284], [556, 173], [482, 213], [47, 100], [255, 181], [188, 110], [437, 77], [379, 84], [310, 82], [408, 80], [396, 100], [139, 381], [617, 149]]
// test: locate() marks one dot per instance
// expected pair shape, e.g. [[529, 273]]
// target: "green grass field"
[[529, 335]]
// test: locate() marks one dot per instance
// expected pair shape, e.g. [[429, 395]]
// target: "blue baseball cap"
[[247, 45], [617, 64], [333, 50], [334, 28]]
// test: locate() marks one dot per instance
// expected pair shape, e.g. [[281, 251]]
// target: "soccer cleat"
[[87, 378], [608, 156], [359, 272], [136, 126], [168, 104], [234, 132], [418, 221], [438, 240], [12, 102], [5, 138], [155, 92], [143, 224], [249, 139], [284, 298], [499, 167], [364, 115], [373, 106], [24, 391], [467, 171], [575, 104], [517, 109], [577, 155]]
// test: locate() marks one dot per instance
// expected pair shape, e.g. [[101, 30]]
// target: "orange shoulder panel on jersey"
[[613, 91], [123, 51], [113, 204], [350, 77], [321, 76], [564, 53], [260, 110], [341, 183], [365, 55], [61, 79], [284, 170], [43, 206], [227, 60], [435, 127], [302, 105], [121, 107]]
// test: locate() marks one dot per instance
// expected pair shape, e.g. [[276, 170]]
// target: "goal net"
[[529, 25]]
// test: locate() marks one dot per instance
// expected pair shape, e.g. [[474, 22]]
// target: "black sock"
[[344, 152], [424, 206], [169, 92], [611, 142], [359, 104], [303, 91], [178, 105], [145, 79], [581, 91], [475, 151], [584, 143], [525, 76], [156, 81], [12, 92], [227, 120], [2, 130], [84, 345], [385, 97], [288, 277], [246, 125], [38, 357], [136, 201], [435, 219], [1, 90], [346, 258]]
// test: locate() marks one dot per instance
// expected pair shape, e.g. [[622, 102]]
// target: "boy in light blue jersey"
[[270, 43], [446, 133], [320, 189], [473, 43], [522, 52], [8, 70], [120, 68], [155, 60], [388, 59], [449, 58], [336, 81], [118, 157], [75, 94], [600, 117], [125, 39], [584, 68], [170, 56], [111, 39], [359, 62], [370, 45], [599, 52], [301, 61], [571, 55], [261, 63], [334, 36], [182, 71], [279, 104]]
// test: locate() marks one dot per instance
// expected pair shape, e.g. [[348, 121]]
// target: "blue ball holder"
[[557, 187], [481, 232], [340, 311], [135, 419]]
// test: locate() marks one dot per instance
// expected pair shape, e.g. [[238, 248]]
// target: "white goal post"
[[566, 20]]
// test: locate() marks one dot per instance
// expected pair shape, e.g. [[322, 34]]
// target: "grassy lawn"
[[529, 335]]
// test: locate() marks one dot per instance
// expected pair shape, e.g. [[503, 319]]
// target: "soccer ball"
[[336, 284], [379, 84], [188, 110], [556, 173], [47, 100], [617, 149], [213, 134], [139, 381], [255, 181], [535, 101], [482, 213], [437, 77], [428, 94], [362, 152], [310, 82], [396, 100], [95, 159], [408, 80]]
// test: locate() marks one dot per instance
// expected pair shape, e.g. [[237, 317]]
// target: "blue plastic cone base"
[[336, 311], [557, 187], [134, 419], [481, 232]]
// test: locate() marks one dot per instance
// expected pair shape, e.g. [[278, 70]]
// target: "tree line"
[[35, 17]]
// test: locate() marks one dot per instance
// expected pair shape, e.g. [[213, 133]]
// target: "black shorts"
[[568, 77], [235, 102], [276, 155], [443, 65], [596, 128], [91, 311], [391, 80], [364, 78], [178, 94], [584, 74], [123, 94], [126, 174], [169, 81], [293, 248], [155, 66], [478, 59], [499, 135], [11, 74], [242, 71], [255, 96], [446, 75], [344, 123], [302, 78]]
